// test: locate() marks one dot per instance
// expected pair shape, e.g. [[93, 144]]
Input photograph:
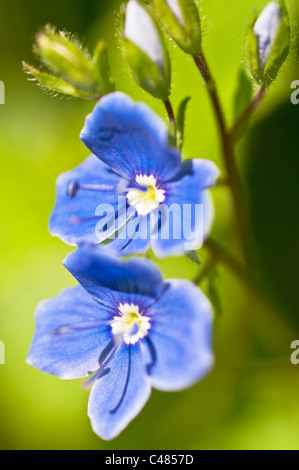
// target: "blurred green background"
[[250, 399]]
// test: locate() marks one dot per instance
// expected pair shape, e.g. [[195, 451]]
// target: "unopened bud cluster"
[[70, 68]]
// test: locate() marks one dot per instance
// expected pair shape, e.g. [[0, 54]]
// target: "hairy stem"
[[203, 68]]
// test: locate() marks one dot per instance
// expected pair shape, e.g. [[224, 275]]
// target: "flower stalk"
[[242, 121], [228, 152]]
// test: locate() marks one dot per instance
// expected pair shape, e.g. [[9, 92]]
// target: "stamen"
[[97, 187], [76, 220], [63, 330], [74, 186], [126, 386], [139, 187], [114, 217]]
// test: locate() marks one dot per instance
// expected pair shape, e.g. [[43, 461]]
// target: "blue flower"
[[128, 328], [132, 175]]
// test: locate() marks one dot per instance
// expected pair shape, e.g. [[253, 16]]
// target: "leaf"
[[172, 134], [146, 72], [101, 68], [243, 94], [57, 85], [193, 256], [213, 292], [181, 121]]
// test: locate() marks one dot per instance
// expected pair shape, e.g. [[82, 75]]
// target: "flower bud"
[[65, 58], [73, 71], [268, 42], [145, 51], [181, 20]]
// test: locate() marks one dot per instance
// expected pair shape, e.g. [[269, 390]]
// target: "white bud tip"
[[141, 30], [266, 28]]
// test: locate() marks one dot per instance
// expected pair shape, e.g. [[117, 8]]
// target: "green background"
[[250, 399]]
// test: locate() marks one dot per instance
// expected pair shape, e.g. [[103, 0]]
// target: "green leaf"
[[278, 54], [57, 85], [243, 94], [181, 121], [213, 292], [101, 68], [146, 73], [187, 31], [193, 256], [141, 49], [172, 137], [252, 50]]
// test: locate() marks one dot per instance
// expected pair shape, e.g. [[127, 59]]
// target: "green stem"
[[222, 255], [203, 68], [228, 141], [172, 120], [242, 121]]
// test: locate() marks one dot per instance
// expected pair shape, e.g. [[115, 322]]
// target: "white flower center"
[[131, 324], [148, 200]]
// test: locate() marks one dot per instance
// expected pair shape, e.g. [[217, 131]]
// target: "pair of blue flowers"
[[123, 327]]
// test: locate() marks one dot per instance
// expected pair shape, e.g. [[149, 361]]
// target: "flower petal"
[[197, 172], [181, 337], [67, 342], [130, 138], [73, 218], [117, 398], [99, 271], [186, 227]]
